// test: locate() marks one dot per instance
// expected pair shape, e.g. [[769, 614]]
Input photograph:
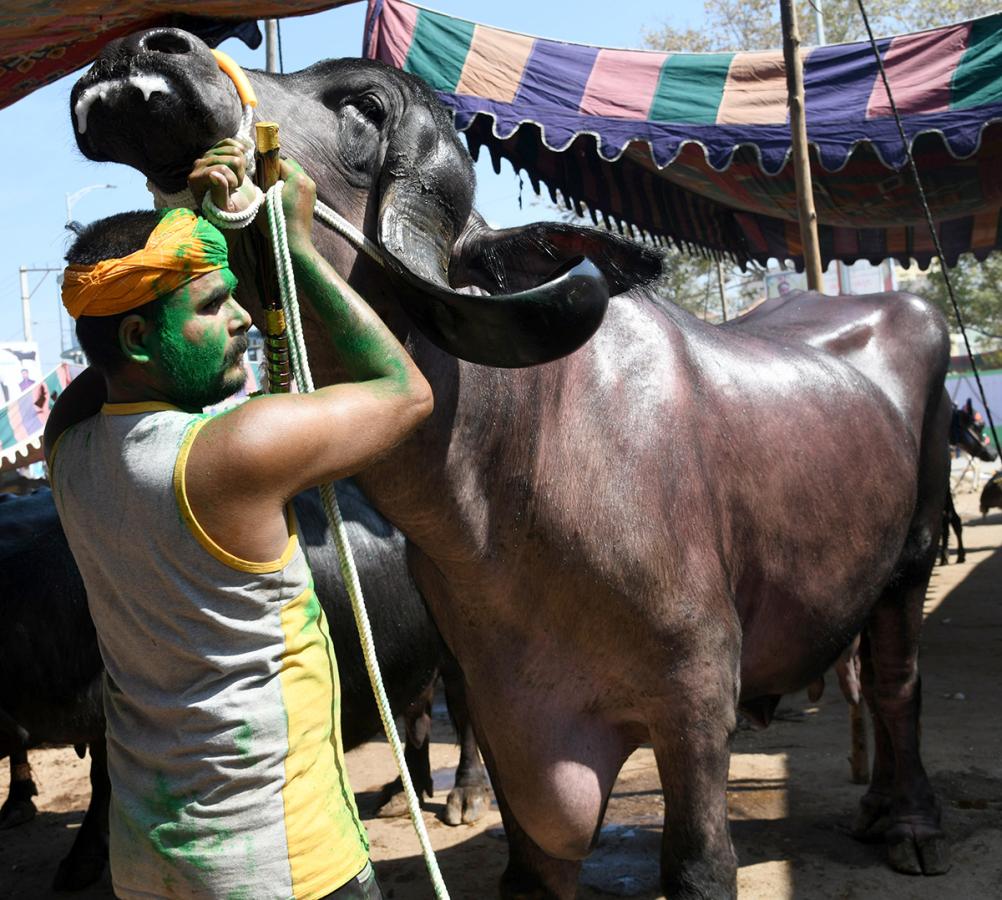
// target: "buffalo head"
[[385, 155]]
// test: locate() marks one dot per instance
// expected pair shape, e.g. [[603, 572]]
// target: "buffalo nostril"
[[165, 41]]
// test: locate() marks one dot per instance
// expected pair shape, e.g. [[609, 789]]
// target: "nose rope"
[[184, 198]]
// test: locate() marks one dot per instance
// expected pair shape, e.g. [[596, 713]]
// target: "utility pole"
[[798, 133], [26, 294], [25, 304], [819, 23], [271, 45], [723, 296]]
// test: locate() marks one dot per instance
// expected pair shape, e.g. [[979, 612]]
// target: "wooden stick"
[[801, 159], [859, 762], [276, 335]]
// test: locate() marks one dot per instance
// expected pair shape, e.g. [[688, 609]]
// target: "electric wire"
[[929, 220]]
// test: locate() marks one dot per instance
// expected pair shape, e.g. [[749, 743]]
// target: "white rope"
[[184, 199], [231, 221], [343, 227], [304, 380]]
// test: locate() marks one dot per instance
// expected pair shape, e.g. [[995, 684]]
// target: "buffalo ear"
[[516, 259]]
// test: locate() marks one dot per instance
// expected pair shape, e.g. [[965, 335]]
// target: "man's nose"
[[241, 318]]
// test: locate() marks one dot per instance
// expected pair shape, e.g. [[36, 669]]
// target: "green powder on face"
[[197, 369]]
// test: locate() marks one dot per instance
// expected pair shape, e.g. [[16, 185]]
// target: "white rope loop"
[[231, 221], [349, 572]]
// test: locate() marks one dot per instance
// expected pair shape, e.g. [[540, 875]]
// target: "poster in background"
[[20, 368], [859, 278], [786, 280]]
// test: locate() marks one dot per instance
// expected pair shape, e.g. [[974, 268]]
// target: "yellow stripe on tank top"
[[327, 843]]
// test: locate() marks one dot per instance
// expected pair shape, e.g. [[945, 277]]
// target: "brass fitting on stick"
[[276, 338]]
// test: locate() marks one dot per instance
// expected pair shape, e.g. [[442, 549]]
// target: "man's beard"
[[192, 388]]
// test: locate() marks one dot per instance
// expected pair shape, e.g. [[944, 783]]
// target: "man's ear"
[[134, 333]]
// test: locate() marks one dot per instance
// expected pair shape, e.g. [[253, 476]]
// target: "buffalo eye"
[[370, 106]]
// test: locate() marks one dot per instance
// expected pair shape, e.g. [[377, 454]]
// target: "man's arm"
[[82, 398], [252, 460]]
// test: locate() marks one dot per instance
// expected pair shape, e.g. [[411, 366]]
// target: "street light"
[[71, 199]]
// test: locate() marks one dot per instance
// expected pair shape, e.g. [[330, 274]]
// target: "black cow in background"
[[51, 670], [967, 433]]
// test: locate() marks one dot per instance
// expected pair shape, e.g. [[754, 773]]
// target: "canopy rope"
[[929, 220]]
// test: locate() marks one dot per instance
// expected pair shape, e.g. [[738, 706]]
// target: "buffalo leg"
[[470, 798], [958, 528], [693, 756], [417, 756], [900, 792], [18, 808], [873, 820], [88, 856]]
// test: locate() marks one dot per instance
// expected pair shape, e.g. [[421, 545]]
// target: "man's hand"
[[222, 172], [299, 197]]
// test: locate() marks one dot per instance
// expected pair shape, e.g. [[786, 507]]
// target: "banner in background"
[[19, 368]]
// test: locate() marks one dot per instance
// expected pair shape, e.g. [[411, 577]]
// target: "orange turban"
[[181, 248]]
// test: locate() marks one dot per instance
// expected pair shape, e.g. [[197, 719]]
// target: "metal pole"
[[798, 131], [271, 45], [723, 296], [25, 303], [819, 23]]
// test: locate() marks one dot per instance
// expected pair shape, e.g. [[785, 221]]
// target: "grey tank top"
[[221, 693]]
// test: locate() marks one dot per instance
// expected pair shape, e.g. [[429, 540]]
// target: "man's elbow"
[[421, 402]]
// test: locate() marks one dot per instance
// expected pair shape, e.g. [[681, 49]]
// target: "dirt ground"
[[790, 796]]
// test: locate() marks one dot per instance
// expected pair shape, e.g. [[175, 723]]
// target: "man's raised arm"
[[279, 445]]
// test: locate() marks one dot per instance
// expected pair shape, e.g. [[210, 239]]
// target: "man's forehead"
[[203, 287]]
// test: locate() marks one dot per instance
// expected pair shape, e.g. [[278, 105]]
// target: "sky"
[[43, 164]]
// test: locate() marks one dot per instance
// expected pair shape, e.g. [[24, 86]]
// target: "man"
[[221, 691]]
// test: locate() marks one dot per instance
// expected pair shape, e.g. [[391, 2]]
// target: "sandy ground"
[[790, 797]]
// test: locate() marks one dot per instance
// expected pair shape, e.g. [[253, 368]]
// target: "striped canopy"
[[695, 147], [42, 40]]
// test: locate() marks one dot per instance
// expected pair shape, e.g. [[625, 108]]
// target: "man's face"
[[199, 346]]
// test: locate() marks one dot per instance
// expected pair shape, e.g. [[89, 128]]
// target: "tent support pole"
[[801, 160]]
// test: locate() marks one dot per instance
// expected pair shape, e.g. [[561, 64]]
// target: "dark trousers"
[[362, 887]]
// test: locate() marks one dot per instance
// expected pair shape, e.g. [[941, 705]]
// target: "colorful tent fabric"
[[696, 147], [42, 40], [22, 420]]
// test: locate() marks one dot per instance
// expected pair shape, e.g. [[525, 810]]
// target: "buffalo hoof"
[[961, 556], [467, 805], [873, 819], [16, 812], [78, 871], [917, 848], [392, 803]]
